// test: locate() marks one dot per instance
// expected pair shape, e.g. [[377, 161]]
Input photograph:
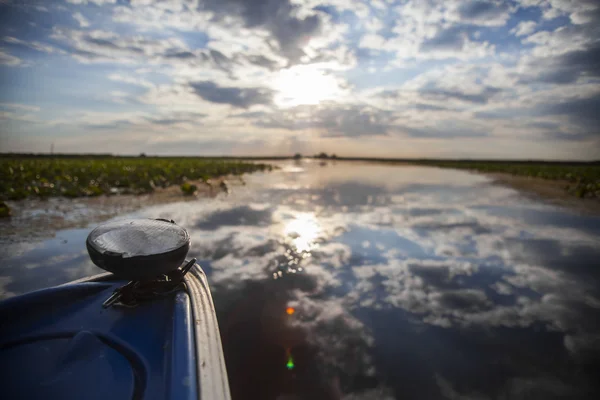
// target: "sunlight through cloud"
[[305, 85]]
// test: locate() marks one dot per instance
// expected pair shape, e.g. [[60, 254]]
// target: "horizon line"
[[291, 157]]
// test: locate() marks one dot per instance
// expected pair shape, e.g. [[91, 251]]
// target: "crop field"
[[581, 180], [22, 177]]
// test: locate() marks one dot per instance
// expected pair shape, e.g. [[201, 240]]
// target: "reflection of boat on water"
[[155, 337]]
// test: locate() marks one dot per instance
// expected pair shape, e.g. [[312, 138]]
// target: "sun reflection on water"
[[303, 230], [301, 236]]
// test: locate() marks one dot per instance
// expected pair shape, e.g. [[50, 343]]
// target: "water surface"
[[405, 282]]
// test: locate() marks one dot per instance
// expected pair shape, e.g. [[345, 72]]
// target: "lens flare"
[[290, 360]]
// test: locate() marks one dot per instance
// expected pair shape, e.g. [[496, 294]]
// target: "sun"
[[304, 84]]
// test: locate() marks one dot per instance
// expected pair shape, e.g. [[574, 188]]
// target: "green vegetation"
[[188, 189], [583, 180], [23, 177], [4, 210]]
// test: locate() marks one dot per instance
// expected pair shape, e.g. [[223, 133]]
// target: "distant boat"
[[145, 330]]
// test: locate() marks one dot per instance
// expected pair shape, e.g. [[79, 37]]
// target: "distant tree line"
[[325, 156]]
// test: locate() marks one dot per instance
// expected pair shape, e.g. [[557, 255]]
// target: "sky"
[[381, 78]]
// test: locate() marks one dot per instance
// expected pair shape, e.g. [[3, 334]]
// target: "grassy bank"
[[581, 180], [23, 177]]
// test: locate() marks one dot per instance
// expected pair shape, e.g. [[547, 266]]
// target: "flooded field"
[[348, 280]]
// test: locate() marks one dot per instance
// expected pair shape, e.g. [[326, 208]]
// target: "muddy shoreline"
[[33, 219], [549, 191]]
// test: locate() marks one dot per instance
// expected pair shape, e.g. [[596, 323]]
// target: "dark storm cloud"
[[452, 38], [237, 97], [276, 16], [482, 9]]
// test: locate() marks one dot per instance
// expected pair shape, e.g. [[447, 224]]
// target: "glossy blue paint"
[[61, 343], [183, 381]]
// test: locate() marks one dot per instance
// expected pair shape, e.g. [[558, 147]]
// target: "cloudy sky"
[[511, 79]]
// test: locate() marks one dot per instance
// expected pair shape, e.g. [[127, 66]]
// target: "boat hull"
[[61, 343]]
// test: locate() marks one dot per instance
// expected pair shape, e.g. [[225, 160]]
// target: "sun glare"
[[303, 230], [304, 85]]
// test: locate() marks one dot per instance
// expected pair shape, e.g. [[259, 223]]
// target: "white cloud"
[[83, 21], [524, 28], [9, 59]]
